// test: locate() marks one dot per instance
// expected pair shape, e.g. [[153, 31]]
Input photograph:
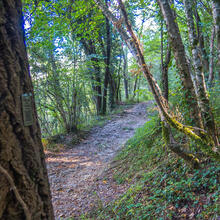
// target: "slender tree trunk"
[[181, 61], [164, 67], [135, 86], [57, 90], [211, 64], [138, 85], [112, 91], [73, 121], [161, 53], [165, 72], [207, 115], [90, 49], [24, 187], [205, 58], [216, 16], [107, 65], [73, 103], [118, 91], [98, 87], [104, 95], [125, 72]]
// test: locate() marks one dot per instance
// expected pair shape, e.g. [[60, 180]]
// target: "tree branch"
[[17, 194]]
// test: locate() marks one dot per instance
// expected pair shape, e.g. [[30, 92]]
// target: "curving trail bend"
[[74, 174]]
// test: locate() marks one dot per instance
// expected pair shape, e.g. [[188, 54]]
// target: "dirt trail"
[[73, 174]]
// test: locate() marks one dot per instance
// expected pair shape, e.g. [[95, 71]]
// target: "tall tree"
[[22, 162]]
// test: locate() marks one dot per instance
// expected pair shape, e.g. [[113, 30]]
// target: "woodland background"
[[85, 60]]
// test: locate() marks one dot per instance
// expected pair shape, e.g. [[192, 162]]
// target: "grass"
[[162, 186]]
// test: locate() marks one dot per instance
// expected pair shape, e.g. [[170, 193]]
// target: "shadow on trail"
[[73, 174]]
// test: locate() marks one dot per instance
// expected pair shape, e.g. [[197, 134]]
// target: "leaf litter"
[[79, 177]]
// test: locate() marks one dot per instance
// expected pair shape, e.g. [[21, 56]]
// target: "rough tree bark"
[[133, 44], [207, 116], [21, 150]]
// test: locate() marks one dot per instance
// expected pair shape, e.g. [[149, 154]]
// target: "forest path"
[[73, 174]]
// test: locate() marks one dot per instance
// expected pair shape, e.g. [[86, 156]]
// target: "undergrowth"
[[62, 141], [162, 186]]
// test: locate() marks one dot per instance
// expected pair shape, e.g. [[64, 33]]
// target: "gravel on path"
[[74, 172]]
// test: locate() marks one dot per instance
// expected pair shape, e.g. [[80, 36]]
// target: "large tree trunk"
[[24, 187], [207, 115]]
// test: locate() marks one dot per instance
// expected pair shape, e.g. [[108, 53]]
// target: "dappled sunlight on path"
[[74, 173]]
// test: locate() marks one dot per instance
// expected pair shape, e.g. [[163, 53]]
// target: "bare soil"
[[76, 175]]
